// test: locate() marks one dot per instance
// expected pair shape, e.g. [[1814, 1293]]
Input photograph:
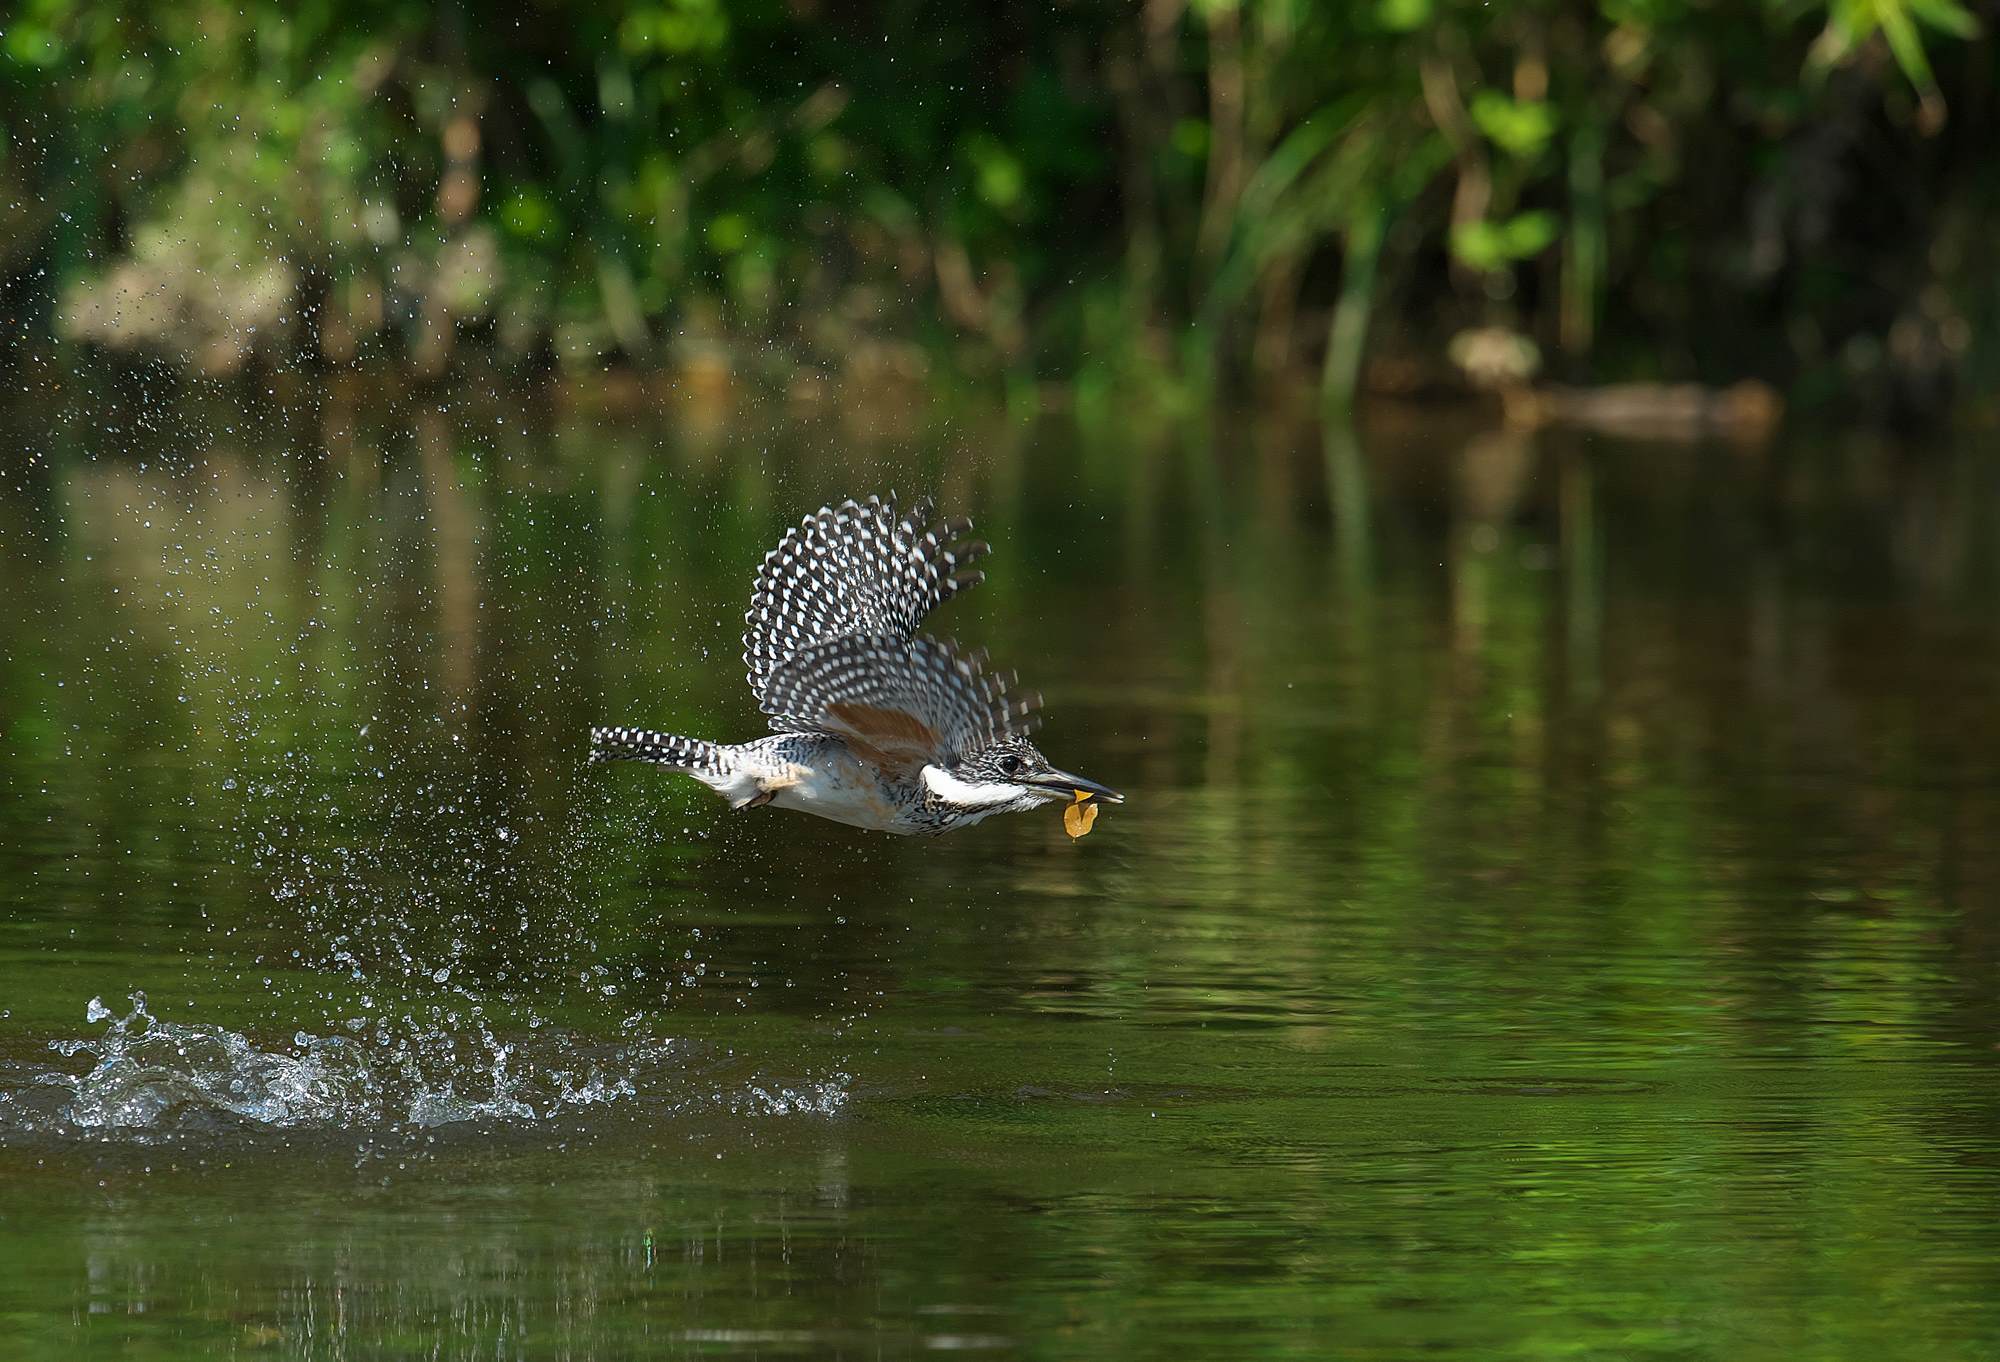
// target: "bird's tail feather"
[[663, 749]]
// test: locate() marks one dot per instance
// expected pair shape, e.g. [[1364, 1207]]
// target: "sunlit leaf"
[[1488, 245], [728, 232], [1518, 126], [1850, 23], [1403, 16]]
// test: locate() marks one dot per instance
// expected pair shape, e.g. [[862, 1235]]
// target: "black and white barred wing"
[[856, 569], [900, 702]]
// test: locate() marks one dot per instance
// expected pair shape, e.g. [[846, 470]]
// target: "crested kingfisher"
[[873, 724]]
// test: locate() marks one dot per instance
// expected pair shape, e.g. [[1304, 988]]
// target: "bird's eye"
[[1010, 764]]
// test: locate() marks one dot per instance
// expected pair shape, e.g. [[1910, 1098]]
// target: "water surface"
[[1554, 915]]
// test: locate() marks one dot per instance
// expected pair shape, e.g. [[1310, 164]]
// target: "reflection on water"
[[1554, 912]]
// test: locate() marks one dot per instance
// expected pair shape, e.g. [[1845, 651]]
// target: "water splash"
[[149, 1074]]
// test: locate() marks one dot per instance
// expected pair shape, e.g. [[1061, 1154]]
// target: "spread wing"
[[899, 702], [831, 644], [855, 568]]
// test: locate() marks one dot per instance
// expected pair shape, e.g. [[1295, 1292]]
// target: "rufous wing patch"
[[890, 738]]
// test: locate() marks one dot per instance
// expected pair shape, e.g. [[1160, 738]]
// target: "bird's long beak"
[[1070, 786]]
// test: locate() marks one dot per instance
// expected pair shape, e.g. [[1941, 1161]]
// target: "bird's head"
[[1006, 777]]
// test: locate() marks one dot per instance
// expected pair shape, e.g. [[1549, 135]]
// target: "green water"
[[1554, 915]]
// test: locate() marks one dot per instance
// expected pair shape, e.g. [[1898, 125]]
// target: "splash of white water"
[[146, 1073]]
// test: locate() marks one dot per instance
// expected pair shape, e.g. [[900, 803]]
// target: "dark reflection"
[[1557, 871]]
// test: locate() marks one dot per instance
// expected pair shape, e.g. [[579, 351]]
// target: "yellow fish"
[[1080, 814]]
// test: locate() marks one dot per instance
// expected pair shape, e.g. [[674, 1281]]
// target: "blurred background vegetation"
[[1195, 198]]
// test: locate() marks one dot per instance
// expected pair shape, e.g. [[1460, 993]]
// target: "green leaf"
[[1403, 16], [1907, 47], [728, 232], [998, 172], [1850, 23], [1190, 138], [1519, 127], [528, 214], [33, 45], [1489, 245], [1946, 16]]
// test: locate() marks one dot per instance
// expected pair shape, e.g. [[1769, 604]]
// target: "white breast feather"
[[952, 790]]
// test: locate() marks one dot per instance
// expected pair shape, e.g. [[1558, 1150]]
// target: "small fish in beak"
[[1079, 814]]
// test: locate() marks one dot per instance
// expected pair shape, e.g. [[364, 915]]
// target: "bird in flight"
[[873, 724]]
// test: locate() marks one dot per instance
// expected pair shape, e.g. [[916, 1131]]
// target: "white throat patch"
[[952, 790]]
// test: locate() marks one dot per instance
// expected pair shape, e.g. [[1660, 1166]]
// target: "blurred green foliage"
[[1206, 192]]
